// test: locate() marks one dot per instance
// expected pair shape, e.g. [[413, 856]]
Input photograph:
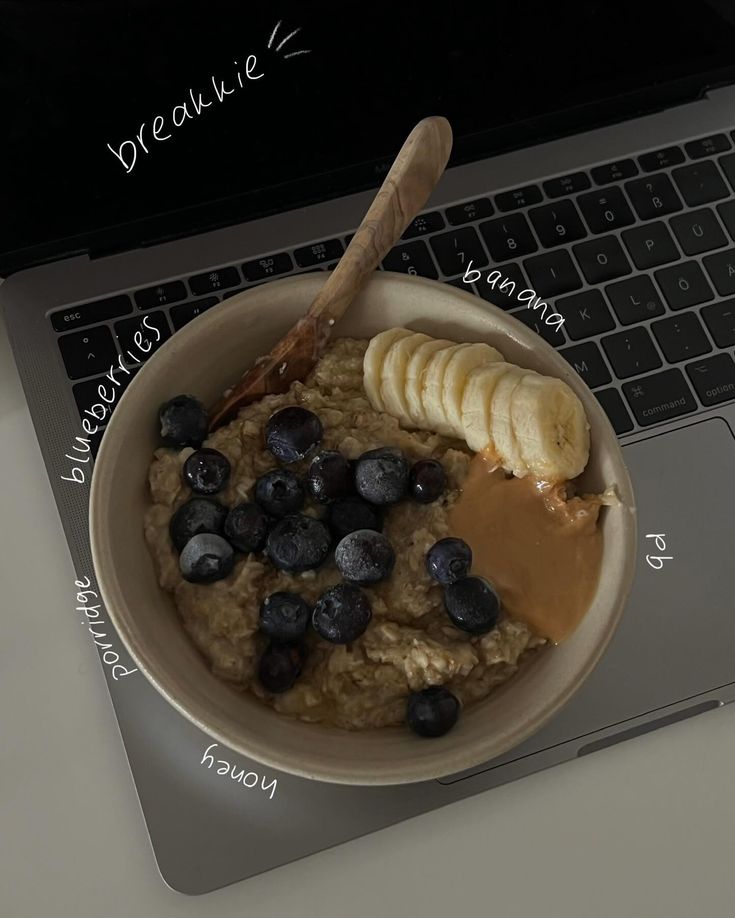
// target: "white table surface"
[[644, 829]]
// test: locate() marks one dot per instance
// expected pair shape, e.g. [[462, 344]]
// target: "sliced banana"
[[416, 372], [373, 363], [459, 367], [431, 390], [501, 427], [550, 428], [477, 403], [395, 365]]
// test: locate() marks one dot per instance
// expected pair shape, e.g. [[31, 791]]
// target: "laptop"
[[158, 158]]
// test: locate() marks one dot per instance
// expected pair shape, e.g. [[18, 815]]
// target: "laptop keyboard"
[[636, 254]]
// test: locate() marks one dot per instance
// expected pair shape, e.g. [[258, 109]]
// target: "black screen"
[[75, 77]]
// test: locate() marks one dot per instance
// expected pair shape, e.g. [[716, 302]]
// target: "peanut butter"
[[541, 550]]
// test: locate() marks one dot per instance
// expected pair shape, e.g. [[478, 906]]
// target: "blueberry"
[[205, 558], [298, 543], [184, 421], [342, 614], [279, 492], [330, 476], [197, 515], [207, 471], [433, 711], [365, 556], [348, 514], [280, 666], [381, 476], [246, 527], [292, 433], [472, 604], [427, 481], [284, 616], [448, 560]]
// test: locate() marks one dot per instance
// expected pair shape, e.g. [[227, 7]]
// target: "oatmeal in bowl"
[[326, 556]]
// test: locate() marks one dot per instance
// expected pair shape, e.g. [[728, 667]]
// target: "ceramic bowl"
[[206, 357]]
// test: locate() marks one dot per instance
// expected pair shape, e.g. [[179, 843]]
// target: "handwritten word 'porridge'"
[[249, 779], [82, 449], [92, 613], [159, 130], [527, 296]]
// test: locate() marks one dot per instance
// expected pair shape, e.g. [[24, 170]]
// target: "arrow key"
[[89, 352]]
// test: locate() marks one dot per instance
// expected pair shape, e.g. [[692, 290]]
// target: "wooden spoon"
[[407, 186]]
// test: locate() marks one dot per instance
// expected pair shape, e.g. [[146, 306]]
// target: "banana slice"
[[550, 428], [431, 391], [477, 401], [372, 367], [416, 373], [501, 427], [393, 384], [457, 370]]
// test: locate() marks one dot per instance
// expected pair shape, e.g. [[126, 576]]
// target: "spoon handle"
[[406, 189]]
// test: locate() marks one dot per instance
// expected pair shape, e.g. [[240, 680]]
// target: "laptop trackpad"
[[677, 636]]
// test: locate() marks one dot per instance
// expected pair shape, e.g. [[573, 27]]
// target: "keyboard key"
[[89, 313], [184, 313], [605, 210], [707, 146], [170, 292], [727, 215], [269, 266], [552, 273], [459, 282], [635, 299], [550, 333], [411, 258], [318, 252], [456, 249], [502, 292], [721, 268], [94, 442], [423, 224], [684, 285], [585, 314], [728, 167], [614, 172], [557, 223], [661, 159], [212, 281], [101, 391], [700, 183], [229, 293], [713, 379], [681, 337], [653, 197], [660, 397], [469, 211], [508, 237], [88, 353], [566, 184], [127, 334], [698, 231], [650, 245], [631, 352], [518, 197], [615, 409], [720, 320], [602, 259], [588, 362]]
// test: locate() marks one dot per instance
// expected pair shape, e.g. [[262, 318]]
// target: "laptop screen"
[[127, 123]]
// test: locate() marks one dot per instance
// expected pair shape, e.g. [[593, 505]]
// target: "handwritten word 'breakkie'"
[[195, 102]]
